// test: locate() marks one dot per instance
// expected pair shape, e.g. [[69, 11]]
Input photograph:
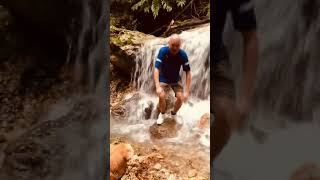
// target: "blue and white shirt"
[[170, 65]]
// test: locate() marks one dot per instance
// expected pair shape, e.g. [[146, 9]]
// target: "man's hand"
[[159, 90]]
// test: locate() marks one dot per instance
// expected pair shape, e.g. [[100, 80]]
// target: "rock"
[[124, 45], [192, 173], [148, 110], [168, 129], [157, 166], [204, 121]]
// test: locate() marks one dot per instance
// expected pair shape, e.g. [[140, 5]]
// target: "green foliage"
[[156, 5], [207, 8]]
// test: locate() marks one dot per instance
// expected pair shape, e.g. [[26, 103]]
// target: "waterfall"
[[86, 141], [287, 93], [196, 43], [188, 138]]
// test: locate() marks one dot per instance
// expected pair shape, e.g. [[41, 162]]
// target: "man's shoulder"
[[183, 54], [164, 49]]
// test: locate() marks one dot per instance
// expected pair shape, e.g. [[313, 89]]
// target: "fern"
[[156, 5], [155, 8], [138, 5], [181, 3], [166, 5]]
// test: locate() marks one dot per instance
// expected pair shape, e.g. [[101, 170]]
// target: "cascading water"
[[196, 43], [287, 93]]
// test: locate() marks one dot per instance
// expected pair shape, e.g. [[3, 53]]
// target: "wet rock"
[[124, 45], [157, 166], [148, 110], [204, 121], [168, 129]]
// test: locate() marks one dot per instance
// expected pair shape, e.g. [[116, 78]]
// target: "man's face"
[[174, 46]]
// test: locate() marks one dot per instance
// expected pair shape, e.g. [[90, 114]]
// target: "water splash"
[[196, 43]]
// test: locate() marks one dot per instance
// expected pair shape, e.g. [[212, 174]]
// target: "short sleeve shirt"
[[170, 65]]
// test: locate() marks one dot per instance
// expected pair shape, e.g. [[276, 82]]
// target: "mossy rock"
[[124, 45]]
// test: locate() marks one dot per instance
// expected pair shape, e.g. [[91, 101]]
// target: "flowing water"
[[287, 99], [196, 43], [85, 137]]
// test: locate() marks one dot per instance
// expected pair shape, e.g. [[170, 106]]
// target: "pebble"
[[192, 173], [157, 166]]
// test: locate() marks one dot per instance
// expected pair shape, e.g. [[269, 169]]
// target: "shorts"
[[176, 87]]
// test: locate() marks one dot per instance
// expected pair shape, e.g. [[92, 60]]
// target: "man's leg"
[[162, 101], [178, 90], [178, 102], [222, 106], [221, 128]]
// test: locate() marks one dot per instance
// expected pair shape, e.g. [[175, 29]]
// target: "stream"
[[189, 143]]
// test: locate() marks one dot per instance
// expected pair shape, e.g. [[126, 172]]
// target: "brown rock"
[[168, 129], [124, 45], [192, 173], [204, 121]]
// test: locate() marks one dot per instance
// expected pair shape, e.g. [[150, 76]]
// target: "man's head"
[[174, 43]]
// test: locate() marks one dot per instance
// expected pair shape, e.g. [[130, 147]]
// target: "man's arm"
[[244, 20], [156, 77], [157, 66], [187, 69], [188, 81]]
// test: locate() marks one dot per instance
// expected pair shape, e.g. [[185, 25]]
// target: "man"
[[230, 115], [167, 75]]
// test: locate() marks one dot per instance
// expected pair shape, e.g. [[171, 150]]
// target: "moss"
[[117, 36], [116, 41]]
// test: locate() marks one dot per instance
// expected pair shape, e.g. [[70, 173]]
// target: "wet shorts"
[[176, 87]]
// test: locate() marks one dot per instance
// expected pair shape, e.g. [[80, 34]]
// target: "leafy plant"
[[155, 5]]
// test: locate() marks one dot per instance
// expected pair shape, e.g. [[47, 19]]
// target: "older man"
[[167, 75]]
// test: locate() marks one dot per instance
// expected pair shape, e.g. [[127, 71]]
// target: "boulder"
[[124, 45], [148, 110], [168, 129], [204, 121]]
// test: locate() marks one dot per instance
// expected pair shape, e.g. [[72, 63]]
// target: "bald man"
[[167, 75]]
